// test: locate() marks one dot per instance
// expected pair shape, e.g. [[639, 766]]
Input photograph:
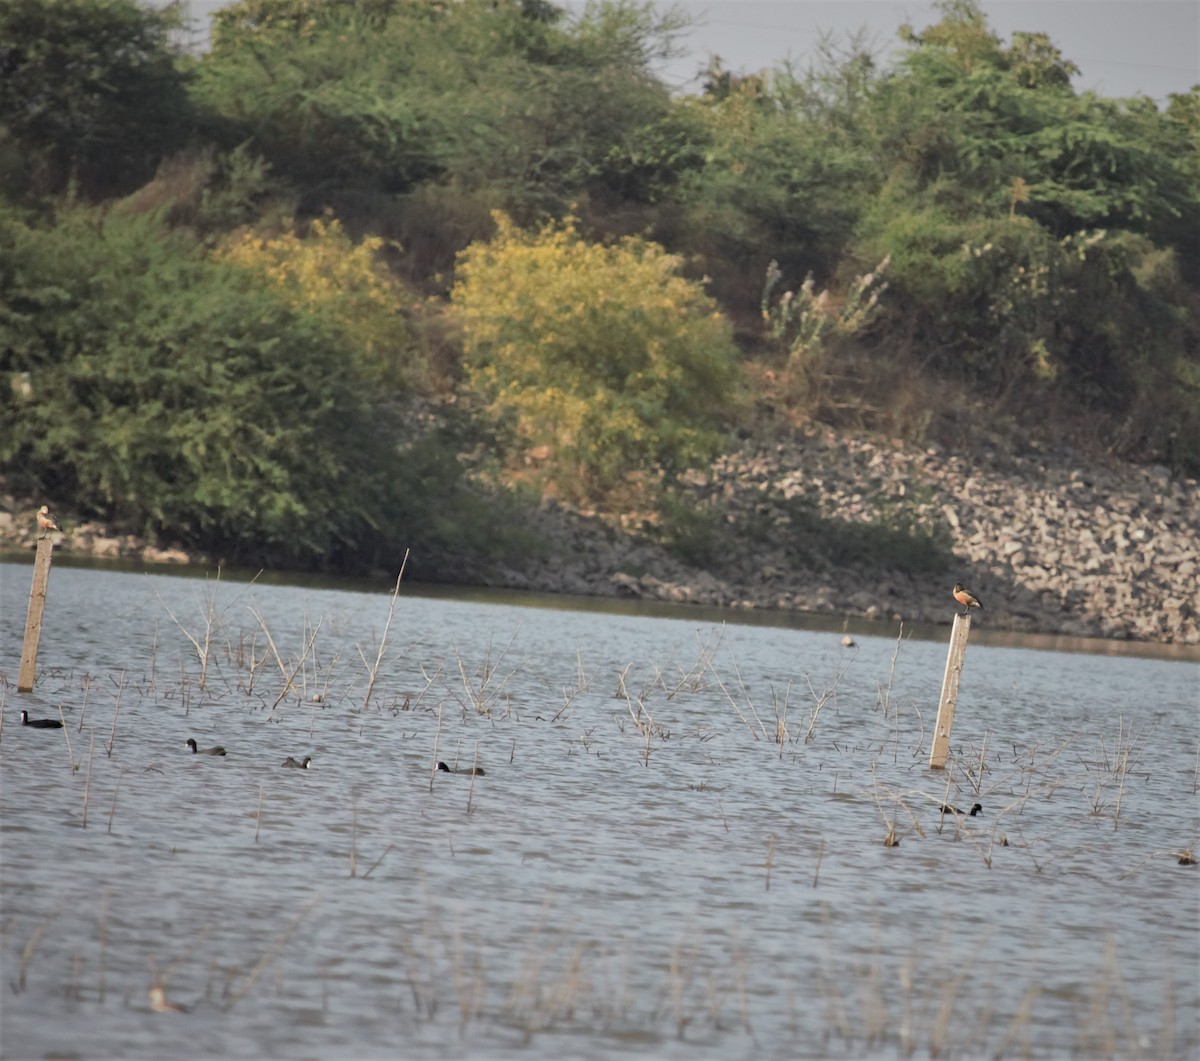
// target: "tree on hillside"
[[965, 117], [90, 92], [391, 94], [789, 162], [1021, 218]]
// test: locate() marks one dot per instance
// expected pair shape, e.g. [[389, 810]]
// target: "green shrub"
[[602, 355], [172, 394]]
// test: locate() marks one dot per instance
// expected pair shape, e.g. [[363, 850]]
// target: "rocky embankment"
[[1051, 544]]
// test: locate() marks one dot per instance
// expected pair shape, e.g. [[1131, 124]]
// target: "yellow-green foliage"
[[602, 354], [328, 275]]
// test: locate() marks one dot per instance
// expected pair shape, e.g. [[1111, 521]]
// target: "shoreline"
[[1051, 543]]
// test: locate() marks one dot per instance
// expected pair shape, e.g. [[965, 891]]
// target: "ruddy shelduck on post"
[[46, 520]]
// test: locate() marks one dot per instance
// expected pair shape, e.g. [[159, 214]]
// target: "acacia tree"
[[1020, 220], [90, 91]]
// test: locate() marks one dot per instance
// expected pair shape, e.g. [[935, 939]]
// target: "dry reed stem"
[[474, 774], [883, 694], [762, 730], [374, 670], [87, 685], [67, 735], [209, 614], [112, 733], [583, 682], [437, 736], [289, 677], [823, 699], [31, 944], [258, 813], [87, 784], [378, 861], [481, 702], [271, 954], [470, 985], [153, 660]]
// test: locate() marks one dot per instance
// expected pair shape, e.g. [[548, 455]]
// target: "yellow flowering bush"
[[601, 356], [327, 274]]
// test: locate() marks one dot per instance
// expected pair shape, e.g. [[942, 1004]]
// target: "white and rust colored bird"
[[46, 520]]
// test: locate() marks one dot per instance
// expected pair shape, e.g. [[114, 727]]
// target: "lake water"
[[677, 850]]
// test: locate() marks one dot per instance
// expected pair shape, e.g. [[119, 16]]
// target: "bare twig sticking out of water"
[[258, 813], [680, 973], [938, 1036], [437, 736], [781, 712], [824, 698], [761, 733], [1196, 772], [583, 682], [1126, 754], [623, 694], [87, 784], [289, 677], [154, 658], [31, 945], [883, 694], [209, 614], [646, 726], [373, 669], [232, 998], [112, 733], [977, 775], [378, 861], [877, 793], [113, 809], [87, 685], [489, 691], [692, 680], [70, 753], [820, 855], [353, 835], [770, 860], [474, 774]]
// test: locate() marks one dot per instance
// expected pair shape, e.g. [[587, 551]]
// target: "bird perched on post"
[[965, 597], [46, 520]]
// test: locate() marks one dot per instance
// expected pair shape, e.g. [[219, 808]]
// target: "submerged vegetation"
[[227, 278], [677, 834]]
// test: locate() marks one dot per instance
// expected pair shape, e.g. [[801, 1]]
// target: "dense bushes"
[[329, 276], [207, 351], [91, 93], [601, 356], [173, 395]]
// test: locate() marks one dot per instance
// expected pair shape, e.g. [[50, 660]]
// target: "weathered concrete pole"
[[33, 620], [945, 715]]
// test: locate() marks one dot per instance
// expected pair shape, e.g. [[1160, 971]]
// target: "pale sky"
[[1123, 47]]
